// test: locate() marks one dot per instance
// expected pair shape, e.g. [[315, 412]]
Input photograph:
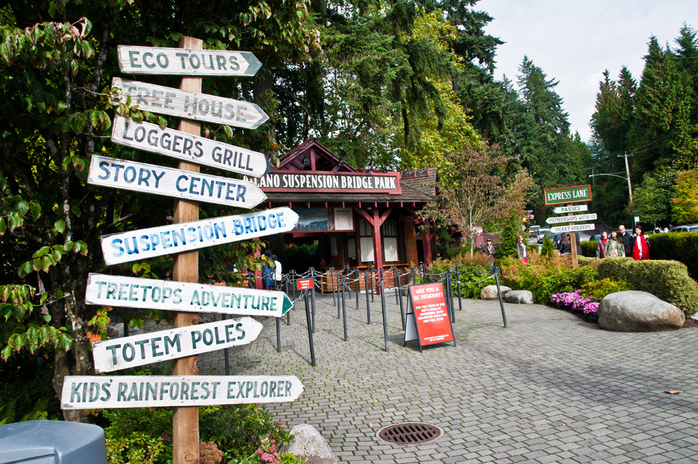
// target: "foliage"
[[136, 447], [548, 247], [209, 453], [677, 246], [472, 272], [589, 248], [26, 391], [598, 289], [667, 280], [685, 201], [301, 258], [512, 229], [652, 200], [575, 301]]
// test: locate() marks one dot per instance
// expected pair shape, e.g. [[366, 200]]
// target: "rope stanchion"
[[368, 304]]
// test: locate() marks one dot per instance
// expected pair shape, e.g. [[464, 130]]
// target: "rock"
[[490, 292], [635, 311], [519, 297], [309, 443]]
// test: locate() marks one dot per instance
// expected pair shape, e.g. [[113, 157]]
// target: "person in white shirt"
[[277, 272]]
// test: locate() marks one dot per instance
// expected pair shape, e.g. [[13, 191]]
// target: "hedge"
[[667, 280]]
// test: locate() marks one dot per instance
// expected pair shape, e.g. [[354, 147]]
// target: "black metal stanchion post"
[[312, 295], [449, 298], [310, 332], [344, 311], [293, 284], [460, 301], [370, 267], [414, 276], [402, 307], [368, 304], [357, 282], [499, 293], [333, 287], [385, 316], [278, 336]]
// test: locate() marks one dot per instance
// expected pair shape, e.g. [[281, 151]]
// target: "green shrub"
[[544, 286], [548, 246], [677, 246], [600, 288], [667, 280], [26, 391], [589, 248], [473, 274]]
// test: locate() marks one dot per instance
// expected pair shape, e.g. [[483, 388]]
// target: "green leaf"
[[59, 225]]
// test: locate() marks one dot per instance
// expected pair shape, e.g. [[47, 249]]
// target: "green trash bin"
[[52, 442]]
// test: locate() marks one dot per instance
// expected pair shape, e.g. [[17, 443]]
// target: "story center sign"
[[564, 195]]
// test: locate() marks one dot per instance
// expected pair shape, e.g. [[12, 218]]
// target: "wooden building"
[[359, 217]]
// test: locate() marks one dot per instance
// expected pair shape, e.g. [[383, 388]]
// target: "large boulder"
[[309, 443], [519, 297], [490, 292], [635, 311]]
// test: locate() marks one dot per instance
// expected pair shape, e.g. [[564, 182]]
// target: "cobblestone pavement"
[[548, 388]]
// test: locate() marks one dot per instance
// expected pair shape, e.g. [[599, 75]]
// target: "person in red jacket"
[[641, 246], [601, 247]]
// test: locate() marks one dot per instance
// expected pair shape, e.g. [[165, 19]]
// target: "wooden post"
[[573, 243], [185, 421]]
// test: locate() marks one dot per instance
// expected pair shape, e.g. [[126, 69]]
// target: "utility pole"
[[627, 172], [593, 176]]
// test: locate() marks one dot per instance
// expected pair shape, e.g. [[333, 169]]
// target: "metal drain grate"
[[409, 433]]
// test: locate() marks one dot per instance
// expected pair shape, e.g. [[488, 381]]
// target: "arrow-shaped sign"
[[132, 391], [191, 105], [572, 228], [170, 182], [135, 245], [167, 295], [575, 218], [188, 147], [186, 62], [570, 209], [143, 349]]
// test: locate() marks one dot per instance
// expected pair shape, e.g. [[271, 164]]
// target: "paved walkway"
[[548, 388]]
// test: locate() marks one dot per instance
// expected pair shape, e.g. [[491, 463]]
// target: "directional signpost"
[[570, 209], [186, 62], [164, 345], [572, 228], [188, 147], [576, 194], [165, 295], [191, 105], [130, 391], [140, 244], [573, 218]]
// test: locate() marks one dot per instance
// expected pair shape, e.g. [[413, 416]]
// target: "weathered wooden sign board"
[[165, 345], [188, 147], [132, 292], [572, 228], [170, 182], [190, 105], [573, 218], [135, 245], [570, 209], [186, 62], [429, 321], [97, 392]]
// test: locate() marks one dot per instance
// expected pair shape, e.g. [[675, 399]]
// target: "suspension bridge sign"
[[97, 392]]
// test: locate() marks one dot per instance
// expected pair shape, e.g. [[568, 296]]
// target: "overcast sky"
[[575, 41]]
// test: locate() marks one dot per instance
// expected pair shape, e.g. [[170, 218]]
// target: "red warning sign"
[[304, 284], [431, 313]]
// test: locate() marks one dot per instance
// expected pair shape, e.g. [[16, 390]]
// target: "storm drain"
[[409, 433]]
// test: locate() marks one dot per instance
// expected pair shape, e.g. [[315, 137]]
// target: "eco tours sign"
[[188, 147], [186, 62], [170, 182], [164, 345], [132, 292], [190, 105], [136, 245], [563, 195], [129, 391]]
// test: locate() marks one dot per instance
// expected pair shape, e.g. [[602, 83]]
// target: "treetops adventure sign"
[[164, 345], [330, 182], [191, 105], [186, 62], [170, 182], [188, 147], [129, 391], [134, 292], [135, 245], [562, 195]]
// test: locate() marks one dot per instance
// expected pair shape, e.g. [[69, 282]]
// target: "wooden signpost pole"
[[573, 244], [185, 420]]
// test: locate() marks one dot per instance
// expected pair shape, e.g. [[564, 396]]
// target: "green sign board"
[[563, 195]]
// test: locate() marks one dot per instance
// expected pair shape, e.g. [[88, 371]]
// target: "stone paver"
[[548, 388]]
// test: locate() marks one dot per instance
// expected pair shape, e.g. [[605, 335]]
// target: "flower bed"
[[576, 302]]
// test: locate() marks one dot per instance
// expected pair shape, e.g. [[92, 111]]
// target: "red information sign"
[[304, 284], [433, 324]]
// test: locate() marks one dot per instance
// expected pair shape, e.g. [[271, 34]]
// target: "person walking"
[[601, 247], [614, 247], [488, 250], [278, 275], [565, 246], [521, 249], [641, 245], [627, 239]]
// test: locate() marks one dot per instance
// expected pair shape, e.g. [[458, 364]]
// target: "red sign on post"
[[304, 284], [430, 320]]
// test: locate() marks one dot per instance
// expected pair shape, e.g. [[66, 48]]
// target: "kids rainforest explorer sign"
[[564, 195]]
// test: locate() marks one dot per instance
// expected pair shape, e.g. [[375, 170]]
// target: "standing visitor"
[[601, 247], [627, 240], [278, 275], [521, 249], [565, 246], [641, 246], [614, 247], [488, 249]]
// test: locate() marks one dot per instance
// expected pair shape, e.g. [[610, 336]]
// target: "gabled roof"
[[312, 156]]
